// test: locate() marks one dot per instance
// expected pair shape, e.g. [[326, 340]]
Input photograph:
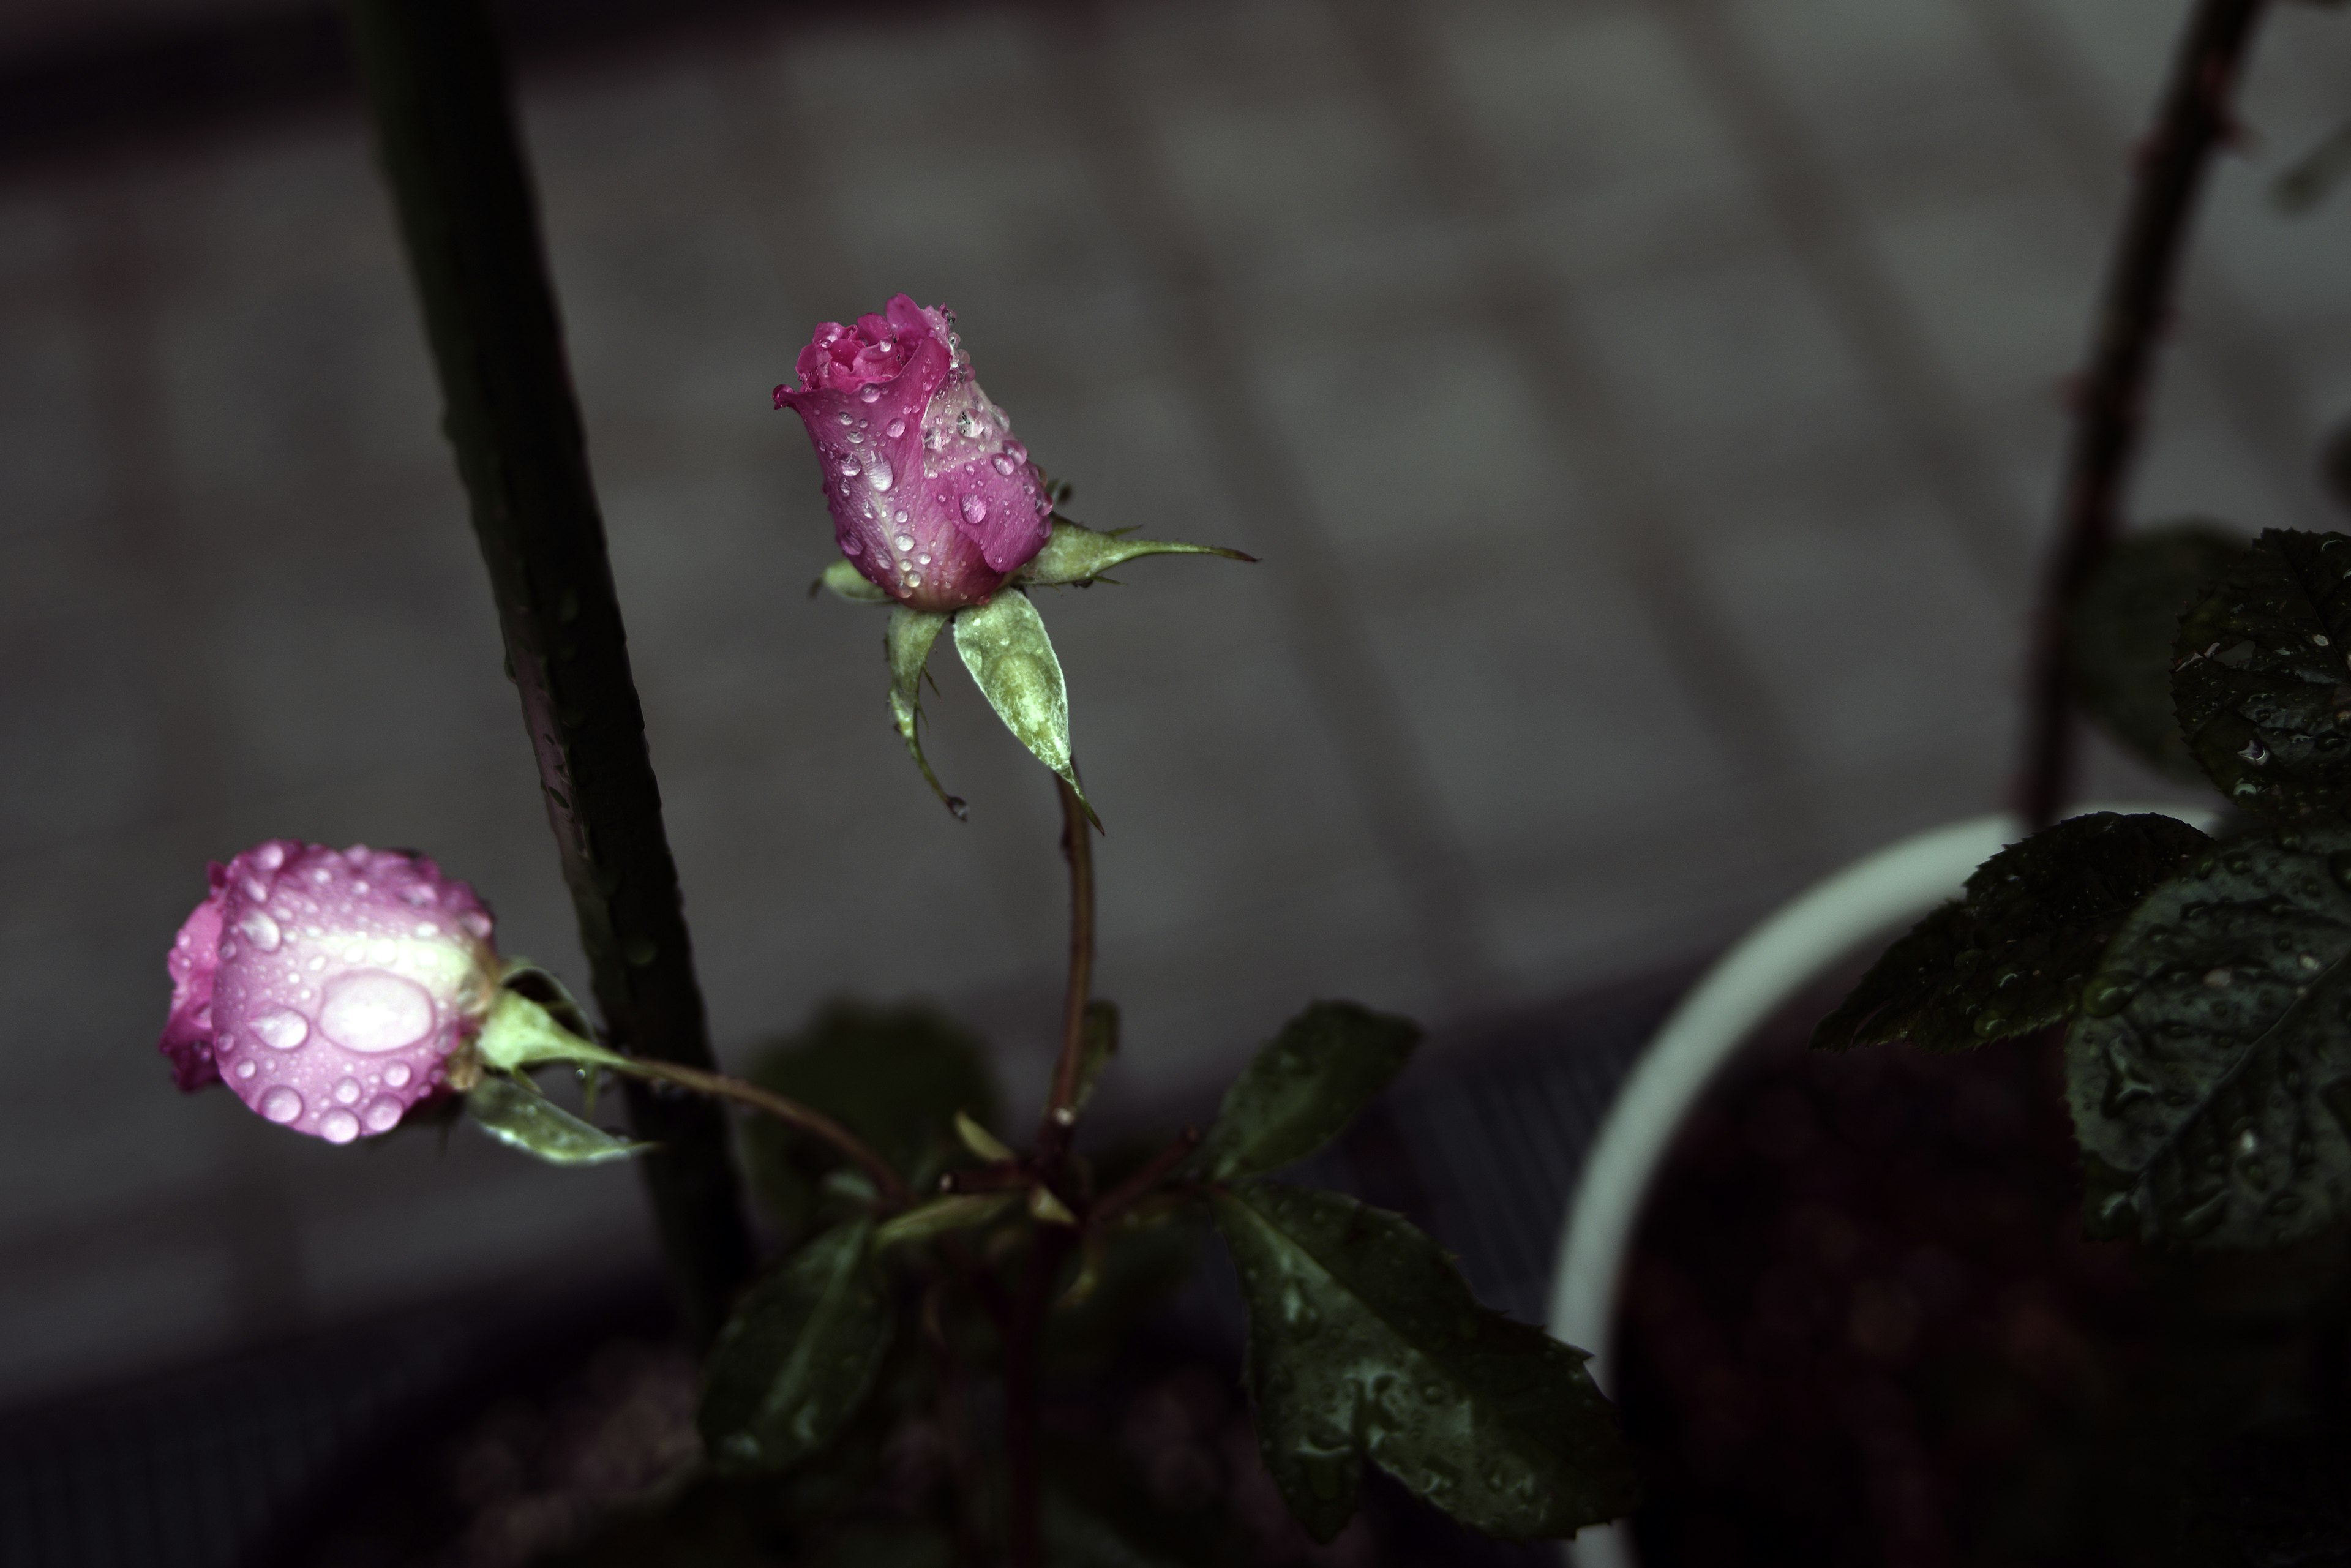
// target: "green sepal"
[[2209, 1074], [2262, 687], [2119, 635], [520, 1033], [847, 582], [1304, 1087], [1075, 555], [517, 1115], [1364, 1343], [907, 647], [799, 1356], [956, 1212], [1004, 645], [2011, 955]]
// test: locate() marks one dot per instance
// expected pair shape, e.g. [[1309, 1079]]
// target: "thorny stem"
[[788, 1111], [1060, 1108], [2191, 122]]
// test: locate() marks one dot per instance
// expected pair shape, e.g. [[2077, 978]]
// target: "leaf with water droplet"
[[520, 1117], [2221, 1050], [2261, 687], [1304, 1087], [906, 645], [1075, 555], [2009, 956], [1004, 645], [1506, 1432], [2119, 635], [799, 1356], [845, 582], [895, 1076]]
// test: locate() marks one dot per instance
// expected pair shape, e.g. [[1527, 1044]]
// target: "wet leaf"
[[520, 1117], [1364, 1344], [2119, 636], [1077, 555], [2209, 1074], [1004, 645], [2011, 955], [1304, 1087], [799, 1356], [2261, 686], [895, 1076], [906, 643], [847, 582]]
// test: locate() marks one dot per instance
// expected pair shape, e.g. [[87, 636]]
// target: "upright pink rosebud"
[[329, 986], [932, 498]]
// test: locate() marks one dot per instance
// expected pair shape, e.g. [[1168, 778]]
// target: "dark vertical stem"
[[1024, 1394], [435, 84], [2192, 120], [1077, 844]]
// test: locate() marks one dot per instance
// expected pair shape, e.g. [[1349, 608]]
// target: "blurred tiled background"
[[1645, 410]]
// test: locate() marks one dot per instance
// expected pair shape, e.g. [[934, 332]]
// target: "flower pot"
[[1794, 948]]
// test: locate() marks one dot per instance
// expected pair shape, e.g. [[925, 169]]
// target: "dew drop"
[[282, 1029], [855, 439], [869, 392], [904, 541], [281, 1105], [347, 1092], [476, 923], [261, 931], [255, 889], [371, 1012], [852, 546], [846, 420], [1003, 464], [965, 426], [974, 510], [247, 1069], [382, 1114], [899, 518], [317, 962], [269, 856], [895, 428], [397, 1075], [879, 473], [339, 1127], [849, 469], [1019, 453], [227, 950]]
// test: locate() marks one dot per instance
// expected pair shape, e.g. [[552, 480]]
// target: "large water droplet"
[[247, 1069], [339, 1127], [347, 1092], [282, 1029], [878, 472], [1003, 464], [281, 1105], [974, 510], [849, 469], [397, 1075], [382, 1113], [372, 1012], [869, 392], [895, 428], [852, 546], [1019, 453], [269, 856]]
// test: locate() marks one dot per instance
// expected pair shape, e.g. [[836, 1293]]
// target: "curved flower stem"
[[2192, 120], [1061, 1107], [792, 1112]]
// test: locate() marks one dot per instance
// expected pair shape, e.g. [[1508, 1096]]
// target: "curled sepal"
[[1364, 1343], [520, 1117], [847, 582], [907, 645], [2210, 1072], [521, 1033], [1004, 645], [799, 1356], [1304, 1087], [956, 1212], [1076, 554]]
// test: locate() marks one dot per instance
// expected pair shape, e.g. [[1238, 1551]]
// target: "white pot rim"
[[1787, 951]]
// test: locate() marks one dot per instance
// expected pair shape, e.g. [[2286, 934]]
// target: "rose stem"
[[435, 86], [808, 1119], [1061, 1107], [2191, 122]]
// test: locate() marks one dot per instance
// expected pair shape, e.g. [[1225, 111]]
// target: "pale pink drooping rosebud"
[[932, 499], [329, 987]]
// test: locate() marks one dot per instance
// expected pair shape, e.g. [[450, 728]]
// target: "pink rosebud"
[[932, 498], [329, 986]]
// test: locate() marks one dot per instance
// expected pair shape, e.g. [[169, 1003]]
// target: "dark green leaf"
[[1314, 1078], [2262, 685], [2119, 636], [1004, 645], [1077, 555], [520, 1117], [906, 645], [1364, 1343], [2011, 955], [2209, 1074], [799, 1356], [895, 1076], [847, 582]]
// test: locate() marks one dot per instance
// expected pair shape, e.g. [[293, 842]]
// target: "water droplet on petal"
[[270, 856], [1019, 453], [247, 1069], [381, 1115], [281, 1105], [852, 546], [904, 541], [869, 392], [476, 923], [849, 469], [347, 1092], [1004, 465], [260, 930], [372, 1012], [845, 419], [878, 472], [339, 1126], [974, 510], [895, 428], [282, 1029], [397, 1075]]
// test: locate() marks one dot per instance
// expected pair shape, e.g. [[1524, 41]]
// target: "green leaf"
[[2262, 685], [1304, 1087], [2209, 1074], [1364, 1343], [799, 1356], [847, 582], [1077, 555], [2011, 955], [520, 1117], [895, 1076], [907, 645], [1004, 646], [2119, 635], [956, 1212]]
